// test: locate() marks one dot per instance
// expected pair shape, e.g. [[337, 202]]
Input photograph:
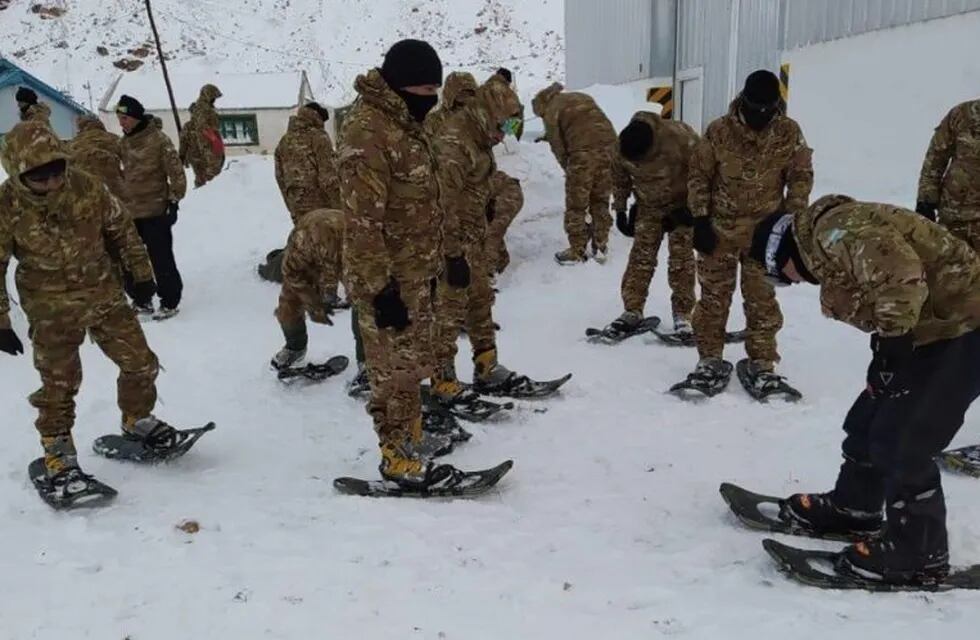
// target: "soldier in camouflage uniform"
[[750, 163], [652, 164], [201, 147], [153, 186], [950, 179], [311, 268], [98, 152], [583, 141], [62, 225], [916, 288], [29, 107], [506, 201], [459, 90], [464, 148], [306, 165], [392, 247]]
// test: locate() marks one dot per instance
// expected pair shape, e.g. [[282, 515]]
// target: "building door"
[[692, 97]]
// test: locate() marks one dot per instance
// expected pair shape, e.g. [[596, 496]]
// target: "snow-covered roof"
[[275, 90]]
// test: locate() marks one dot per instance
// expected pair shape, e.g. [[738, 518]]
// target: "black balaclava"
[[759, 101], [410, 63], [774, 244], [635, 140]]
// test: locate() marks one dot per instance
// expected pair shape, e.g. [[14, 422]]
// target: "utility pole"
[[163, 65]]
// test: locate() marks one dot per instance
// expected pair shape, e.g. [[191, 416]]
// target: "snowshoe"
[[467, 406], [360, 385], [165, 313], [731, 337], [157, 442], [963, 460], [617, 330], [769, 513], [686, 338], [440, 421], [314, 372], [763, 384], [519, 386], [69, 489], [710, 378], [434, 445], [828, 570], [444, 481]]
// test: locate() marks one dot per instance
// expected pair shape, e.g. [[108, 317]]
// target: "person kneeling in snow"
[[916, 288], [311, 268]]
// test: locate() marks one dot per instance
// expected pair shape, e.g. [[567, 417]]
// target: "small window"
[[239, 130]]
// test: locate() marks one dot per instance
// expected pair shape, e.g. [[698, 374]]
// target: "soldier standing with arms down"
[[62, 225], [652, 164], [949, 184], [583, 141], [750, 164], [201, 146], [154, 184], [306, 164], [98, 152], [916, 288]]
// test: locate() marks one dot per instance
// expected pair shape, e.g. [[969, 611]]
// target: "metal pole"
[[678, 98], [163, 65]]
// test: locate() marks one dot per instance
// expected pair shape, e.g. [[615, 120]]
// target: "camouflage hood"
[[540, 102], [29, 145], [209, 93], [804, 224], [373, 90], [89, 122], [656, 124], [495, 102], [305, 120], [459, 89]]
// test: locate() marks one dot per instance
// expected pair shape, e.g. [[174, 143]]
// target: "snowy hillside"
[[77, 43], [610, 526]]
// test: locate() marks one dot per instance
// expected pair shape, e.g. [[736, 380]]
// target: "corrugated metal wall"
[[705, 28], [812, 21], [607, 42]]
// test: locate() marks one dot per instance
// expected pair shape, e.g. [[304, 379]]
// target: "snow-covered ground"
[[609, 526]]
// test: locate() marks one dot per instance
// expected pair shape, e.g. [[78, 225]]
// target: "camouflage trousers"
[[642, 265], [469, 307], [588, 185], [967, 230], [291, 310], [716, 274], [115, 329], [397, 362], [495, 247]]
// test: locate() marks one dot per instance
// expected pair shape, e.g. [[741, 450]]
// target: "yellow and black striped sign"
[[784, 86], [664, 96]]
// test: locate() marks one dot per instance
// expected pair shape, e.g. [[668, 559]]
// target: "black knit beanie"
[[761, 87], [26, 95], [410, 63], [506, 74], [130, 106], [635, 139], [321, 111]]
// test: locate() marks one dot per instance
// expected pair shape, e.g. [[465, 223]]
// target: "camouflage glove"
[[390, 311], [172, 212], [705, 238], [10, 343], [143, 292], [458, 272], [491, 209], [627, 223], [927, 210], [888, 373]]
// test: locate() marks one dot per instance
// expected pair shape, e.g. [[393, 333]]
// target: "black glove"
[[143, 292], [626, 223], [10, 343], [926, 210], [458, 272], [389, 308], [681, 217], [705, 238], [888, 373], [172, 212], [491, 209]]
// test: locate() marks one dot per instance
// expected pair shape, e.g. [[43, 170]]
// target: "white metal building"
[[717, 42], [253, 110]]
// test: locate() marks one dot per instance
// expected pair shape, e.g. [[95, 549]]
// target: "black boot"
[[817, 514], [883, 561]]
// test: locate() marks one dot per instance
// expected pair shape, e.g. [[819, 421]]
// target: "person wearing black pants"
[[153, 184], [916, 288]]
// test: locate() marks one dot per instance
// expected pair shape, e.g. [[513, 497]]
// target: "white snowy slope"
[[609, 526], [333, 40]]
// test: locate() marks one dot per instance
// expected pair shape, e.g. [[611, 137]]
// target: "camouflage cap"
[[540, 101], [29, 145]]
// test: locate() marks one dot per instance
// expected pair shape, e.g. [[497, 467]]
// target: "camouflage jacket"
[[98, 152], [951, 172], [152, 173], [39, 112], [889, 270], [458, 91], [739, 176], [196, 150], [62, 241], [573, 122], [313, 261], [306, 169], [389, 191], [659, 178], [508, 200], [464, 150]]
